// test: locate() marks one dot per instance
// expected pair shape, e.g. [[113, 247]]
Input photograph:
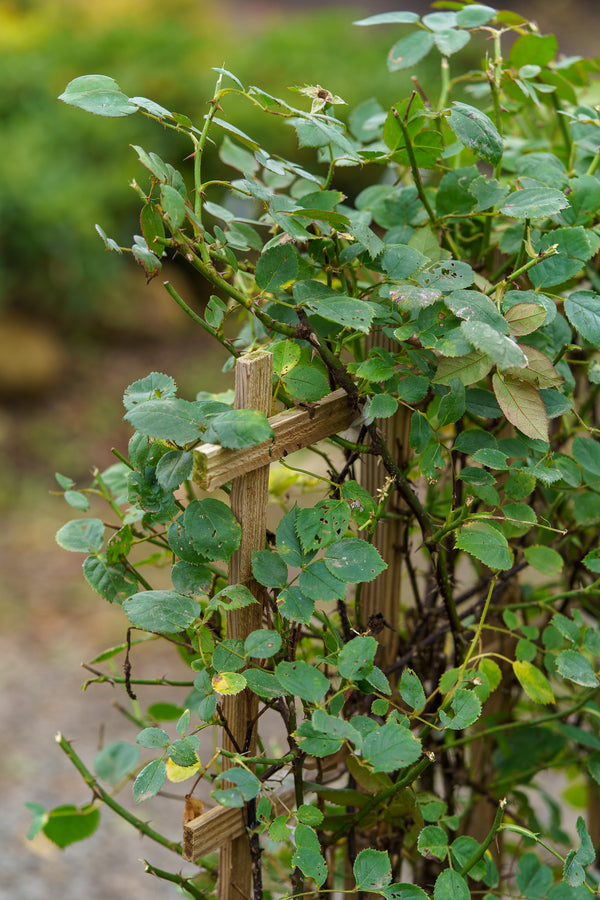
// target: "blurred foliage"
[[60, 178]]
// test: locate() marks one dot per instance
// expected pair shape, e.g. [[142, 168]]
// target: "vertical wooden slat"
[[383, 595], [249, 498]]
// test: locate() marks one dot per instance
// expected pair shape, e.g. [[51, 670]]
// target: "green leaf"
[[309, 815], [450, 885], [317, 742], [115, 761], [586, 452], [534, 203], [322, 524], [151, 225], [533, 681], [212, 528], [98, 94], [466, 707], [522, 405], [420, 432], [317, 582], [269, 569], [109, 581], [154, 386], [582, 309], [344, 311], [453, 404], [236, 157], [381, 406], [81, 536], [504, 351], [262, 644], [354, 560], [573, 873], [474, 306], [372, 870], [544, 559], [153, 738], [356, 658], [404, 891], [476, 131], [475, 15], [68, 824], [433, 841], [585, 853], [486, 543], [306, 383], [238, 428], [451, 41], [411, 690], [410, 50], [302, 680], [447, 275], [533, 49], [469, 368], [247, 787], [173, 468], [576, 667], [276, 267], [174, 420], [263, 683], [533, 878], [390, 747], [389, 18], [308, 854], [161, 611], [183, 752], [147, 259], [295, 605], [173, 206], [575, 246], [149, 781], [234, 596], [77, 500]]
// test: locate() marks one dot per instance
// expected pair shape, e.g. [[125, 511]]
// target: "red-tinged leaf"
[[522, 405], [540, 371], [523, 318]]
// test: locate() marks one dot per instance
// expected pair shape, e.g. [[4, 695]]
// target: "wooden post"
[[248, 470], [383, 595], [249, 498]]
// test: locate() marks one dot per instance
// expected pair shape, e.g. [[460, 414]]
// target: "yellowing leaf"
[[522, 405], [533, 681], [228, 683], [176, 773]]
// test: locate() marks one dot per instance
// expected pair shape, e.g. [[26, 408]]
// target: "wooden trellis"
[[222, 828]]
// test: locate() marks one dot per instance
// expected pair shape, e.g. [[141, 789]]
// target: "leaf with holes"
[[322, 524], [372, 870], [476, 131], [212, 528]]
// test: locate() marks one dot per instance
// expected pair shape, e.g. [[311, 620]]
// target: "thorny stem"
[[178, 879], [414, 167], [200, 321], [488, 840], [102, 795]]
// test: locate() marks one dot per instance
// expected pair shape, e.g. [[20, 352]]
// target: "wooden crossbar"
[[293, 429]]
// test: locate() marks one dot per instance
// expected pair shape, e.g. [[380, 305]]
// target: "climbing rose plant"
[[455, 301]]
